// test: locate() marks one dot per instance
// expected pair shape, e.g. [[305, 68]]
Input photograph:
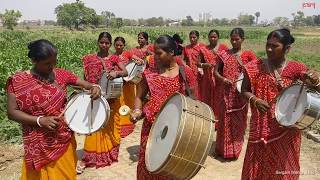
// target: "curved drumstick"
[[300, 92], [62, 113]]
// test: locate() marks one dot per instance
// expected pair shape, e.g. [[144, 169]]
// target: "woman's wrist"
[[38, 121], [96, 85]]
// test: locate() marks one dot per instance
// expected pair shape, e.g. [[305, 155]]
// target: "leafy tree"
[[116, 22], [298, 18], [75, 14], [257, 14], [316, 19], [108, 16], [10, 18], [245, 19], [281, 21], [188, 21]]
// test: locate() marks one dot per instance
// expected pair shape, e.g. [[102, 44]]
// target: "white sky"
[[174, 9]]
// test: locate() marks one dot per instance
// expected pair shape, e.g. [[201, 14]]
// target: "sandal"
[[80, 168]]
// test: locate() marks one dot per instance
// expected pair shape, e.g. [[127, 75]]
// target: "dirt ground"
[[216, 169]]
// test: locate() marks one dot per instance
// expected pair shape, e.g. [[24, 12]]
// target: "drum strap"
[[183, 75], [238, 58], [103, 64]]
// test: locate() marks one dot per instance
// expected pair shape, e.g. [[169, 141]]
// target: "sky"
[[174, 9]]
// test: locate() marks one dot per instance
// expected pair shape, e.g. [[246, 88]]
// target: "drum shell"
[[312, 112], [114, 89], [137, 70], [193, 142]]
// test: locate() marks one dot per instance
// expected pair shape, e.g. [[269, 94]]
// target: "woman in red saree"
[[127, 97], [160, 85], [36, 99], [101, 148], [232, 111], [144, 49], [192, 56], [273, 151], [208, 83]]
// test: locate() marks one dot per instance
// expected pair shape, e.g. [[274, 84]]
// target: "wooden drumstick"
[[237, 80], [300, 92], [90, 119], [135, 64], [62, 113]]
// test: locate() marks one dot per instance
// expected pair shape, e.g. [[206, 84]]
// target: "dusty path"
[[126, 167]]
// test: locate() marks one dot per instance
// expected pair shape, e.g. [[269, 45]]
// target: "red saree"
[[160, 89], [233, 109], [208, 83], [277, 159], [192, 54], [101, 148], [42, 146]]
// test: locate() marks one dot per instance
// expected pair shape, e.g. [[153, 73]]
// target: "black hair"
[[144, 35], [283, 35], [238, 31], [177, 38], [106, 35], [214, 31], [120, 39], [195, 32], [41, 49], [167, 43]]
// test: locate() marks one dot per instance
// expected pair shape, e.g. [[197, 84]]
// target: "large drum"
[[307, 109], [111, 88], [180, 138], [85, 116], [134, 72]]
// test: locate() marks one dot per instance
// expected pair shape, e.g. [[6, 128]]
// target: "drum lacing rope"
[[188, 160], [269, 141], [199, 115]]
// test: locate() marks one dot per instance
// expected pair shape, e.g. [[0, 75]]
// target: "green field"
[[72, 45]]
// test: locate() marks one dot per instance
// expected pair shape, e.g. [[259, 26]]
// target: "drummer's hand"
[[261, 105], [139, 61], [312, 77], [95, 92], [49, 122], [111, 75], [136, 115], [227, 81]]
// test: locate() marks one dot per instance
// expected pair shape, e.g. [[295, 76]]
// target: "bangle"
[[38, 121], [137, 111], [250, 98], [255, 102], [98, 86], [317, 83]]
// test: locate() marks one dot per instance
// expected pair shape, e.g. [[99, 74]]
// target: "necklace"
[[50, 79]]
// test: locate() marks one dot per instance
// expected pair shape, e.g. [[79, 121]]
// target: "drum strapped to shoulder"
[[180, 138], [297, 107], [111, 89], [134, 72], [84, 115]]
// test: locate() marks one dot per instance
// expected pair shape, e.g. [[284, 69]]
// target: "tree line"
[[77, 16]]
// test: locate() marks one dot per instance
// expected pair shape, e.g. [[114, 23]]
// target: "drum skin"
[[77, 114], [189, 149], [305, 113], [134, 72]]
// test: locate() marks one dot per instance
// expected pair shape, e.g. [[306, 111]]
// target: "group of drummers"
[[132, 85]]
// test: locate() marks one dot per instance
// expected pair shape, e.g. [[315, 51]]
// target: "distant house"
[[175, 23], [33, 22]]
